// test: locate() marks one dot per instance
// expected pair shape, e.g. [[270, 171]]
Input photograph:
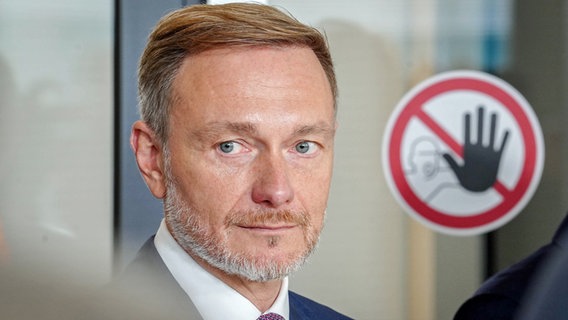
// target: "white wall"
[[56, 136]]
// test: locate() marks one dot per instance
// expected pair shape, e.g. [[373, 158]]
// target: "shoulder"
[[145, 271], [500, 296], [146, 261], [487, 307], [146, 281], [304, 308]]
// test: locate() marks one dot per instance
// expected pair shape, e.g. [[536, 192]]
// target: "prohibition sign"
[[435, 105]]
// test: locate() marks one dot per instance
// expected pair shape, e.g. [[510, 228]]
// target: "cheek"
[[314, 187], [211, 193], [314, 201]]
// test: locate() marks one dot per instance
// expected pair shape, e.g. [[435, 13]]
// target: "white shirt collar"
[[212, 297]]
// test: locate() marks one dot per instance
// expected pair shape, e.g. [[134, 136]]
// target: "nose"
[[272, 187]]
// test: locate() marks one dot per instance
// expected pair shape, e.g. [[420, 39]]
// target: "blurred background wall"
[[56, 136]]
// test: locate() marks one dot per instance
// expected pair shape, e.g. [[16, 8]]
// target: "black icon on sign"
[[480, 161]]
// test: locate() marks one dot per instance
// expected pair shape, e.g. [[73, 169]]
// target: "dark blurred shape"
[[503, 295], [547, 295]]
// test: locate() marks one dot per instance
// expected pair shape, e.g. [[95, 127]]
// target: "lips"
[[268, 227]]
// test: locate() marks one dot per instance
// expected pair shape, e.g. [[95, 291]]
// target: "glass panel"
[[56, 135]]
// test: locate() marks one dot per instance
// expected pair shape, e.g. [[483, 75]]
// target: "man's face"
[[251, 153]]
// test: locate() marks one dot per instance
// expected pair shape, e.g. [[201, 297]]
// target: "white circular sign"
[[463, 152]]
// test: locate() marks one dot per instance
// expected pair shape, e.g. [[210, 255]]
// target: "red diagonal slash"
[[454, 145]]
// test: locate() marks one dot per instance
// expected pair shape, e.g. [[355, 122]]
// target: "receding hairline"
[[196, 29], [229, 50], [174, 90]]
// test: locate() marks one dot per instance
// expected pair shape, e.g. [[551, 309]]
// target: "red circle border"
[[513, 196]]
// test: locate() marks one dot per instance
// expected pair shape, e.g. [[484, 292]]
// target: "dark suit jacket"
[[152, 281], [501, 295], [547, 295]]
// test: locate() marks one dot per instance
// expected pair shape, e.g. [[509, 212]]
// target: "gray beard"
[[194, 239]]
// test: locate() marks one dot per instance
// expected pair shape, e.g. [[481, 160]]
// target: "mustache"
[[256, 217]]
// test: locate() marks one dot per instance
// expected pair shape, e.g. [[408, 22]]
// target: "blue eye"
[[227, 147], [306, 147], [231, 147]]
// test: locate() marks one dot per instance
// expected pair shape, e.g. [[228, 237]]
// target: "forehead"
[[247, 81]]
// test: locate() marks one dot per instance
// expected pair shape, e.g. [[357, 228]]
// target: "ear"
[[149, 157]]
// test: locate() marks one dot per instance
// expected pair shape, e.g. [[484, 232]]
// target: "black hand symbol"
[[480, 163]]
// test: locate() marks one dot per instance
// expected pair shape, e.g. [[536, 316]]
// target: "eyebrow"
[[320, 128], [214, 129]]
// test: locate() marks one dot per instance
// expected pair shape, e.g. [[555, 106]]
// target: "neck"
[[261, 294]]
